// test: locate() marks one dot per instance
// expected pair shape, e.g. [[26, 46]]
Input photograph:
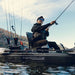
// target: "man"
[[40, 32]]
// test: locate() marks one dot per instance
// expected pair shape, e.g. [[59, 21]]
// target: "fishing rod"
[[21, 21], [13, 26], [6, 15], [63, 11], [21, 24]]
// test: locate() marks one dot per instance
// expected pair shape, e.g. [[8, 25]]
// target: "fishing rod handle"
[[56, 23]]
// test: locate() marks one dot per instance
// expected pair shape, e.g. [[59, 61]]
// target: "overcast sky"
[[29, 10]]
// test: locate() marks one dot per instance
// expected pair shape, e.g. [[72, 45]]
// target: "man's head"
[[40, 20]]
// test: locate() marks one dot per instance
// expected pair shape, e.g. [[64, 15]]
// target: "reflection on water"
[[46, 69], [35, 69]]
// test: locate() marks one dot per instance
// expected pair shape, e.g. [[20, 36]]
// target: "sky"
[[15, 12]]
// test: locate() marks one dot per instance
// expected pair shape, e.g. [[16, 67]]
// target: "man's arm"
[[47, 25], [47, 33], [37, 28]]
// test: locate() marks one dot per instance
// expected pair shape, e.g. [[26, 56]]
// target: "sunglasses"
[[41, 19]]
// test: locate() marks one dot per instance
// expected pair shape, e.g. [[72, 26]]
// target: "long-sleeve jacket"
[[39, 32]]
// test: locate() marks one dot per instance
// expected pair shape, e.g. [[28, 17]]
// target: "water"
[[35, 69]]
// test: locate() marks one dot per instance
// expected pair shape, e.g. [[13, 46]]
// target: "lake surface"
[[35, 69]]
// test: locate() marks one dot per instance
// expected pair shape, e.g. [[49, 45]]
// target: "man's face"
[[40, 21]]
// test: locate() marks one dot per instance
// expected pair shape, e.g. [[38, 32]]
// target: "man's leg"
[[40, 43], [54, 45]]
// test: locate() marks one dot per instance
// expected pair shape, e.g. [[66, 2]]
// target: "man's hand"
[[52, 22], [46, 29]]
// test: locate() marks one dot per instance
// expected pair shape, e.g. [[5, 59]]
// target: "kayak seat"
[[37, 44]]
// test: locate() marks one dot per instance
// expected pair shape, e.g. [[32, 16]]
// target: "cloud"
[[30, 9]]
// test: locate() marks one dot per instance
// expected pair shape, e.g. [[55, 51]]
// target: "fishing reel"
[[56, 23]]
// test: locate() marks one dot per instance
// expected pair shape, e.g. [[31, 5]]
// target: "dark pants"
[[39, 43], [53, 45]]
